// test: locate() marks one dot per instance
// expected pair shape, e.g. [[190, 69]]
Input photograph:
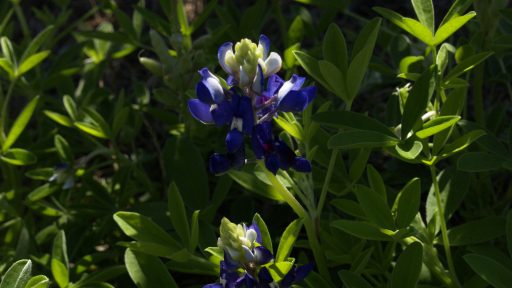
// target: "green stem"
[[328, 176], [283, 192], [444, 231], [431, 260], [318, 253]]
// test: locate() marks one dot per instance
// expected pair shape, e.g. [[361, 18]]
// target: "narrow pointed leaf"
[[59, 262], [458, 8], [20, 123], [335, 78], [59, 118], [363, 230], [408, 267], [466, 65], [353, 120], [407, 203], [18, 157], [265, 235], [178, 213], [37, 42], [418, 99], [287, 241], [437, 125], [335, 48], [361, 139], [409, 25], [425, 12], [147, 271], [490, 270], [311, 66], [31, 62], [451, 27], [375, 207]]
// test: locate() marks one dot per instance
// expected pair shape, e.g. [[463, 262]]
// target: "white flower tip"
[[272, 64]]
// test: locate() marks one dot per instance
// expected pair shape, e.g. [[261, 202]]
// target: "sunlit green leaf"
[[59, 262], [412, 26], [425, 13], [18, 157], [287, 241], [31, 62], [466, 65], [436, 125], [59, 118], [20, 123], [450, 27], [18, 275]]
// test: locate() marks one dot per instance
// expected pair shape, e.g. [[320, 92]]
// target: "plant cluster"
[[355, 147]]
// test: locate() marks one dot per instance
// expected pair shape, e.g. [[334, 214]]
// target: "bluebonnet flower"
[[63, 174], [245, 260], [242, 63], [246, 105], [275, 152]]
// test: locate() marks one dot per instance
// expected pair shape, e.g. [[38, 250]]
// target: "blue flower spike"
[[247, 107]]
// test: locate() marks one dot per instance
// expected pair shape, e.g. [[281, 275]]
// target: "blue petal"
[[222, 114], [262, 255], [257, 85], [238, 158], [310, 91], [272, 163], [213, 285], [203, 93], [273, 84], [294, 101], [256, 228], [264, 132], [245, 281], [302, 271], [257, 147], [212, 84], [245, 112], [286, 155], [234, 140], [219, 164], [200, 111], [293, 84], [301, 165], [264, 276], [265, 43], [221, 54]]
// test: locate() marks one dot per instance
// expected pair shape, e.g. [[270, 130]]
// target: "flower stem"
[[444, 231], [327, 180]]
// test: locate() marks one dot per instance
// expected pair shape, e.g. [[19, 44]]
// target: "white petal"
[[272, 64]]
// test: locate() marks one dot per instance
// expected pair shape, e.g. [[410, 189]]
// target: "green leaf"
[[477, 231], [147, 271], [40, 173], [358, 164], [252, 183], [364, 230], [59, 118], [70, 106], [18, 275], [41, 192], [59, 262], [149, 234], [311, 66], [153, 66], [335, 78], [461, 143], [466, 65], [91, 129], [450, 27], [8, 51], [490, 270], [37, 42], [20, 123], [265, 235], [458, 7], [437, 125], [509, 232], [425, 12], [351, 120], [182, 18], [178, 213], [375, 207], [360, 139], [418, 100], [479, 162], [186, 167], [194, 231], [7, 66], [376, 182], [279, 269], [409, 149], [287, 241], [409, 25], [407, 203], [31, 62], [408, 267], [63, 149], [353, 280], [335, 48], [18, 157], [294, 129], [359, 65], [442, 56], [39, 281], [407, 61]]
